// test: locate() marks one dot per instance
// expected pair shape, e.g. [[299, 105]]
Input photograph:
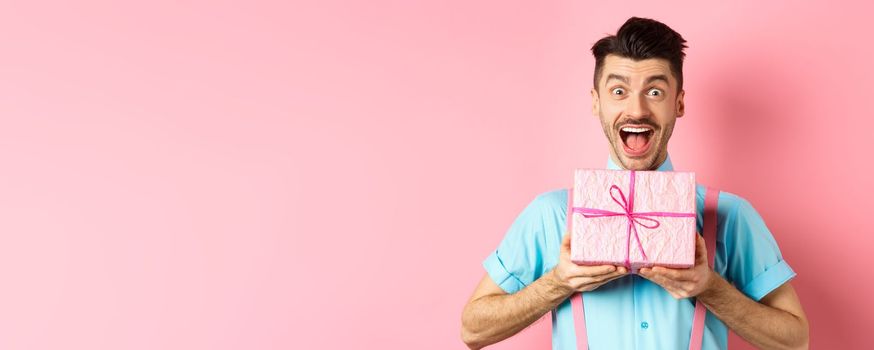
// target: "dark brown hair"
[[640, 39]]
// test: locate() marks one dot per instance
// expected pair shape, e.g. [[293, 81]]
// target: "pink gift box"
[[633, 218]]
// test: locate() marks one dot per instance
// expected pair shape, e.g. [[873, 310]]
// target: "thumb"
[[566, 241], [700, 250]]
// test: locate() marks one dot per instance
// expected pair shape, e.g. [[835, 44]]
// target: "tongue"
[[636, 141]]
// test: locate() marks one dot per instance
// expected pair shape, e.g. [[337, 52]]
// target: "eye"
[[618, 91], [655, 92]]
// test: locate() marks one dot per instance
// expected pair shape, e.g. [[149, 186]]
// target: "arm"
[[776, 322], [492, 315]]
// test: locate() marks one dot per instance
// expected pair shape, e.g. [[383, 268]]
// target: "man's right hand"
[[576, 278]]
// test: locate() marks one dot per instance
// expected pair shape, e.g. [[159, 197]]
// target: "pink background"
[[218, 175]]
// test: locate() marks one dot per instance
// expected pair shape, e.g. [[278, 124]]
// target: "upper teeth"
[[629, 129]]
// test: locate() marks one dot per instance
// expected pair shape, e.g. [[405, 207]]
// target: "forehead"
[[636, 71]]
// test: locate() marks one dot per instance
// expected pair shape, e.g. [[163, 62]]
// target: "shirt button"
[[644, 325]]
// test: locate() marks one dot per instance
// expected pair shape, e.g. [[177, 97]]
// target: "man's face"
[[638, 104]]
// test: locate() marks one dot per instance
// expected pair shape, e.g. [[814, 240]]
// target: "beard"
[[653, 158]]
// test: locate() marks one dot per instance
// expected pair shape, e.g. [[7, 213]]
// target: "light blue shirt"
[[632, 312]]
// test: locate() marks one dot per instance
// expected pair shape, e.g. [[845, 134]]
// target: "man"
[[638, 95]]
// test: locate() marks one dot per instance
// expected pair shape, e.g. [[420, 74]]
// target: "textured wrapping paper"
[[599, 239]]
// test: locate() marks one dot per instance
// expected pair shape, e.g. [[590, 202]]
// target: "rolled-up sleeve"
[[519, 259], [755, 264]]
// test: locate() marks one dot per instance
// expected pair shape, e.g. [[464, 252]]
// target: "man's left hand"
[[684, 283]]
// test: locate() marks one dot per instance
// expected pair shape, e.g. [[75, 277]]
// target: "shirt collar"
[[666, 165]]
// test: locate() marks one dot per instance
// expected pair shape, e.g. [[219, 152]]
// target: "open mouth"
[[636, 140]]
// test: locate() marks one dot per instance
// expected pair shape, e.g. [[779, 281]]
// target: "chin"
[[639, 165], [642, 163]]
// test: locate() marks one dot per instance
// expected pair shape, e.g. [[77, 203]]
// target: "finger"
[[596, 282], [565, 249], [673, 274], [594, 271], [599, 284], [700, 250], [675, 288], [652, 274], [591, 270], [615, 275], [592, 283], [620, 271]]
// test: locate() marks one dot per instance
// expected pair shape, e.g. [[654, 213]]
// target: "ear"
[[681, 106], [596, 106]]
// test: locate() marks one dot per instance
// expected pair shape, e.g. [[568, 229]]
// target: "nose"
[[637, 107]]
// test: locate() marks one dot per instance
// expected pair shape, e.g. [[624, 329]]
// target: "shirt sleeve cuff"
[[496, 270], [769, 280]]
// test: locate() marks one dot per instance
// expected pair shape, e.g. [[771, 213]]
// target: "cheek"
[[665, 114], [611, 111]]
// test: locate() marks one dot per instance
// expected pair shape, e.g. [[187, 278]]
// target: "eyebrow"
[[651, 79]]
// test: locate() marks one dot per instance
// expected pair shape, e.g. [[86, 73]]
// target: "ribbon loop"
[[624, 203], [638, 218]]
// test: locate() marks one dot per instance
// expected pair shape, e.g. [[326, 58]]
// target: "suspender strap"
[[711, 200], [576, 298]]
